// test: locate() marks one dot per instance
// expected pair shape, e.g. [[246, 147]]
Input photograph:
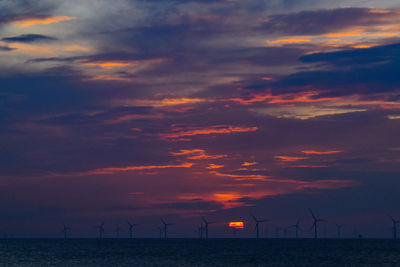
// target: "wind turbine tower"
[[65, 230], [131, 225], [257, 221], [101, 229], [315, 224], [395, 222], [165, 227], [206, 223], [117, 230], [339, 230], [296, 227]]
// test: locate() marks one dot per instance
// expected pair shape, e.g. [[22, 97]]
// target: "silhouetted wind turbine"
[[257, 224], [277, 231], [101, 229], [160, 230], [297, 227], [65, 230], [339, 230], [131, 225], [165, 227], [315, 224], [206, 223], [395, 222], [117, 230], [200, 229]]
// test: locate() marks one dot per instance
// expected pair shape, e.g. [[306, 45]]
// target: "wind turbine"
[[297, 227], [277, 231], [206, 223], [117, 230], [160, 231], [395, 222], [131, 225], [65, 230], [101, 229], [257, 224], [165, 227], [315, 224], [200, 229], [339, 230]]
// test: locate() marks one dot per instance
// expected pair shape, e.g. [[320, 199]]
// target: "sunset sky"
[[136, 109]]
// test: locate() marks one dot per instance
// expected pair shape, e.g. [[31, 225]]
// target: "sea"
[[199, 252]]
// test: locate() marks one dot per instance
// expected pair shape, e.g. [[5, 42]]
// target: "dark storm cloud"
[[362, 71], [324, 21], [194, 205], [15, 10], [375, 55], [6, 48], [28, 38]]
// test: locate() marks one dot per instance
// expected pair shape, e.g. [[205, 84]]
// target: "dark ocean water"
[[195, 252]]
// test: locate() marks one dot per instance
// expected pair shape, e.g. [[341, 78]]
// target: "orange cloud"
[[287, 41], [289, 158], [301, 97], [38, 21], [138, 168], [246, 164], [197, 154], [309, 166], [111, 64], [213, 166], [219, 129], [313, 152], [239, 177], [130, 117], [108, 171], [166, 102], [110, 78]]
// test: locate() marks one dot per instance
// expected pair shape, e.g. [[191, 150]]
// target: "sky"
[[141, 109]]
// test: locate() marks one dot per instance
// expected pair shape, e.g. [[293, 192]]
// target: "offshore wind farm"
[[199, 132]]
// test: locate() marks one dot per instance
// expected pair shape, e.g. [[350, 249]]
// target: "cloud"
[[28, 38], [290, 158], [39, 20], [360, 72], [219, 129], [314, 152], [318, 22], [5, 48], [115, 170], [197, 154], [214, 166], [246, 164]]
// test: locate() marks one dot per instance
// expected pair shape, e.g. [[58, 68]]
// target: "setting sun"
[[236, 225]]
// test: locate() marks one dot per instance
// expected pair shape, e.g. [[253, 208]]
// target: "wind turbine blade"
[[163, 221], [312, 214], [205, 221]]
